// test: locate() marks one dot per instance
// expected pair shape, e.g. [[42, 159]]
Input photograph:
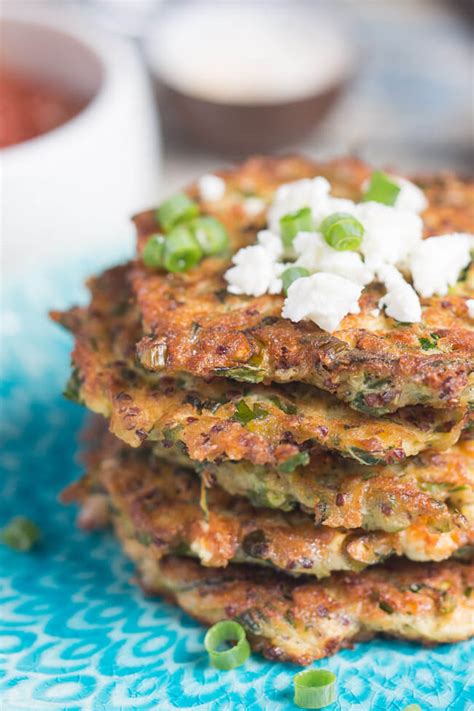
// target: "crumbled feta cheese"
[[211, 187], [346, 264], [294, 196], [316, 255], [308, 248], [254, 273], [401, 301], [410, 197], [253, 206], [437, 262], [389, 234], [470, 308], [322, 298], [375, 313], [271, 243]]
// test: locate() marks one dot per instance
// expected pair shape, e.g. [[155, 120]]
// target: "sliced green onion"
[[211, 235], [292, 274], [219, 634], [315, 688], [294, 222], [20, 533], [182, 250], [153, 251], [381, 189], [342, 231], [178, 208]]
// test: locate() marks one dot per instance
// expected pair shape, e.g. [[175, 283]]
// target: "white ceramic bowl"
[[72, 190]]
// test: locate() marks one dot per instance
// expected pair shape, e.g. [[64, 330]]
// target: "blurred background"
[[166, 90]]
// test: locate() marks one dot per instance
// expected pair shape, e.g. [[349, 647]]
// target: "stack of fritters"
[[257, 468]]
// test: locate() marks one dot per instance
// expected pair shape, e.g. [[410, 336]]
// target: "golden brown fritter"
[[300, 620], [374, 363], [339, 492], [217, 420], [164, 507]]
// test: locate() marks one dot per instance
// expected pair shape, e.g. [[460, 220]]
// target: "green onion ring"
[[227, 631], [381, 189], [342, 231], [315, 688], [20, 534], [294, 222], [153, 251], [177, 209], [211, 235], [182, 250], [290, 275]]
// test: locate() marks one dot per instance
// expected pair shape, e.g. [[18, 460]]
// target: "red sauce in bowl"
[[29, 109]]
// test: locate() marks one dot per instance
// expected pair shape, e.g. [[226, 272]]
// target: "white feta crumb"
[[436, 263], [401, 301], [347, 264], [375, 313], [308, 248], [316, 255], [271, 243], [254, 272], [410, 197], [470, 308], [211, 187], [291, 197], [389, 234], [253, 206], [323, 298]]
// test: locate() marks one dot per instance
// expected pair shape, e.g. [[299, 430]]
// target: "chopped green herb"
[[177, 209], [182, 250], [287, 407], [223, 632], [297, 460], [20, 533], [73, 387], [428, 344], [144, 538], [244, 414], [211, 235], [244, 373], [468, 591], [294, 222], [386, 607], [315, 688], [153, 251], [381, 189], [342, 231]]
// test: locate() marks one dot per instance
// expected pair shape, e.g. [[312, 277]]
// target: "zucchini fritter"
[[374, 363], [163, 507], [299, 621], [340, 492], [212, 421]]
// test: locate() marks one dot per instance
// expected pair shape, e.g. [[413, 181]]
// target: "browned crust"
[[148, 406], [300, 621], [195, 326], [165, 507]]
